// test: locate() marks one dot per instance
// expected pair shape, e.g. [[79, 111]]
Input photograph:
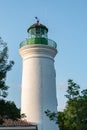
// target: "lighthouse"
[[38, 89]]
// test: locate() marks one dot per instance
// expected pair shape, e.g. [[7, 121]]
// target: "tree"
[[8, 109], [74, 116], [76, 108], [73, 90], [5, 66]]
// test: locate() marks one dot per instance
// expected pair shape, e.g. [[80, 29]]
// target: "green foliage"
[[7, 109], [76, 108], [73, 90], [52, 115], [5, 66], [74, 116]]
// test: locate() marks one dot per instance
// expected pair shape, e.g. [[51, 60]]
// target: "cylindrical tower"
[[38, 77]]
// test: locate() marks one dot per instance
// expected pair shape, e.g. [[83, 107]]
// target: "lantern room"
[[37, 30], [38, 34]]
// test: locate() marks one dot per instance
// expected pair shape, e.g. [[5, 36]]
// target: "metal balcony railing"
[[43, 41]]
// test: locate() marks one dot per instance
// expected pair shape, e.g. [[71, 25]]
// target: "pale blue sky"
[[67, 23]]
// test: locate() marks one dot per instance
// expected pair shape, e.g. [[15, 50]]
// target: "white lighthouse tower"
[[38, 77]]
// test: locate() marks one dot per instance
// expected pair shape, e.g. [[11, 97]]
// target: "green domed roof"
[[37, 25]]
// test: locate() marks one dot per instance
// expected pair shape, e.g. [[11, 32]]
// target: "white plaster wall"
[[38, 84], [31, 90]]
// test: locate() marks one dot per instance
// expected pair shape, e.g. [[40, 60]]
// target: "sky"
[[67, 24]]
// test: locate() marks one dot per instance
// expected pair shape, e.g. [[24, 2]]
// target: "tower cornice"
[[37, 50]]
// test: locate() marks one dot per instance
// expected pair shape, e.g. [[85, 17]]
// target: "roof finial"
[[37, 19]]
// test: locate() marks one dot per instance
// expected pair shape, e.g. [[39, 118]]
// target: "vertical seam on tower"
[[42, 90]]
